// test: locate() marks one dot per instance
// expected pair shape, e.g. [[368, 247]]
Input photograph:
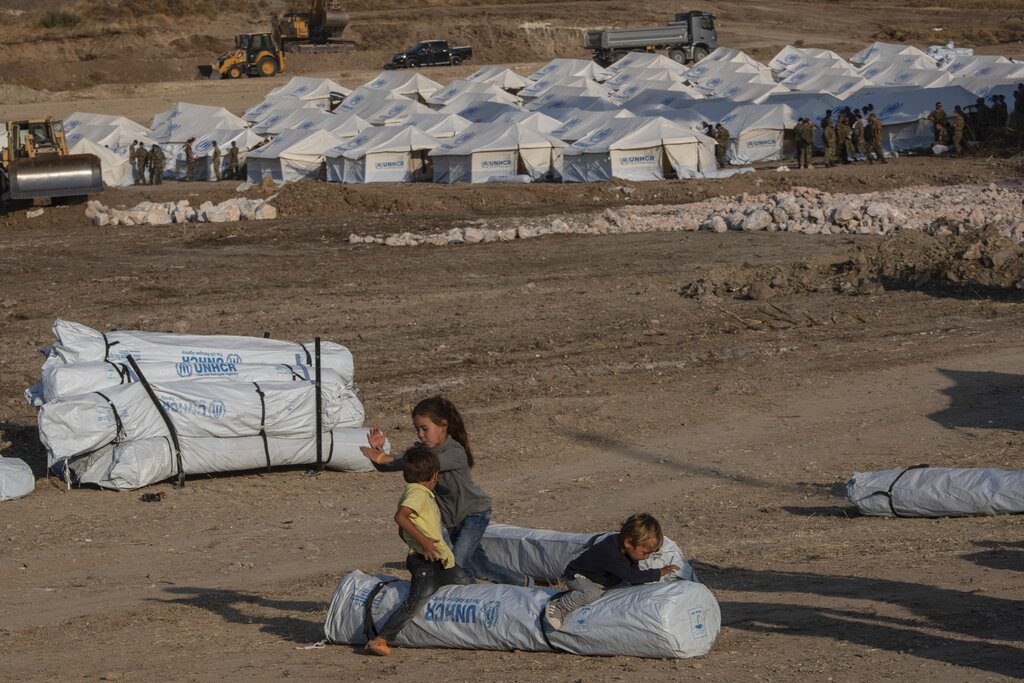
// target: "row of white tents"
[[573, 120]]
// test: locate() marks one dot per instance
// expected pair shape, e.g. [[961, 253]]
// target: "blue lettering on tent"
[[389, 164], [890, 110], [644, 159], [496, 163], [453, 610], [760, 143], [697, 627]]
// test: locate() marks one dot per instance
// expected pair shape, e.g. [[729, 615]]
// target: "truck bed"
[[636, 37]]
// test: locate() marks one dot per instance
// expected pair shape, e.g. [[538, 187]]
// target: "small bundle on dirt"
[[924, 491], [126, 409], [16, 479], [981, 262]]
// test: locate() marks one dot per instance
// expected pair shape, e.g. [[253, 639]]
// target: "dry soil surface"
[[595, 383]]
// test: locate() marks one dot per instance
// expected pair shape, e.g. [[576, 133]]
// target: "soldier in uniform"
[[190, 158], [958, 130], [233, 160], [216, 160], [874, 139], [938, 119], [844, 139], [131, 160], [156, 165], [1000, 113], [982, 117], [141, 164], [827, 117], [798, 141], [721, 145], [805, 136], [859, 142], [828, 135]]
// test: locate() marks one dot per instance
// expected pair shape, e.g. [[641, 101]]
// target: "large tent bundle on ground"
[[317, 91], [480, 112], [203, 149], [639, 149], [395, 154], [790, 56], [501, 76], [438, 125], [498, 152], [580, 123], [560, 67], [116, 168], [184, 121], [411, 84], [904, 111], [483, 91], [553, 102], [891, 52], [291, 156]]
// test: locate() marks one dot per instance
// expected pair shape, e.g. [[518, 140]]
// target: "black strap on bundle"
[[167, 419], [263, 423], [330, 450], [309, 359], [319, 412], [119, 426], [296, 375], [266, 334], [369, 628], [106, 346], [888, 494], [122, 371]]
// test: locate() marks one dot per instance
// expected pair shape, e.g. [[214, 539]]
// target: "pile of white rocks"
[[165, 213], [802, 210]]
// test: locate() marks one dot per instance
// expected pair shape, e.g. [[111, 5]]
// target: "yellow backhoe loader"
[[36, 163], [255, 54]]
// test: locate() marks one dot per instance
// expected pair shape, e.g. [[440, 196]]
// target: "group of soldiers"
[[846, 137], [149, 163], [720, 134]]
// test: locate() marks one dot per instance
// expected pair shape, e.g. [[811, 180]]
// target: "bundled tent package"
[[544, 554], [134, 464], [16, 479], [77, 343], [924, 491], [678, 619], [208, 408]]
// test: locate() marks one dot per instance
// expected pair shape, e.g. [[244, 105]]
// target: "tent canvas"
[[395, 113], [553, 102], [203, 148], [501, 76], [438, 125], [294, 155], [648, 60], [498, 151], [639, 149], [627, 76], [827, 81], [411, 84], [314, 90], [382, 155], [116, 169], [580, 123], [903, 112], [368, 101], [567, 85], [460, 87], [533, 119], [306, 118], [571, 67], [480, 112], [790, 56], [184, 121], [889, 52]]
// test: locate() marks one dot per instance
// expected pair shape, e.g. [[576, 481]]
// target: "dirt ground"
[[599, 375]]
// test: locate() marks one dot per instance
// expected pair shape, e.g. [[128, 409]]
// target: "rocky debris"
[[980, 262], [165, 213], [936, 211]]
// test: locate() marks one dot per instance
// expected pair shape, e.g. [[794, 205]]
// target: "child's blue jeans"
[[469, 555]]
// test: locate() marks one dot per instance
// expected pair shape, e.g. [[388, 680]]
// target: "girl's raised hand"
[[376, 438]]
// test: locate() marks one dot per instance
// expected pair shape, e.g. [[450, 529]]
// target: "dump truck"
[[688, 38], [35, 164], [318, 30], [254, 54], [430, 53]]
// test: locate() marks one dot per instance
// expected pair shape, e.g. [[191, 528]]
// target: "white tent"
[[480, 112], [970, 65], [723, 61], [438, 125], [295, 155], [368, 101], [580, 123], [345, 125], [652, 97], [382, 155], [790, 56], [828, 81], [498, 152], [484, 91], [811, 105], [757, 132], [112, 132], [411, 84], [314, 90], [116, 168], [903, 112], [184, 121], [889, 53], [639, 75], [565, 86], [736, 81], [638, 88], [501, 76], [395, 113], [571, 67], [533, 119], [203, 149], [819, 64], [552, 103], [648, 60], [639, 149], [304, 118]]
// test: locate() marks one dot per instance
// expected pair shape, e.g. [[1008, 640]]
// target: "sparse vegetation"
[[60, 19]]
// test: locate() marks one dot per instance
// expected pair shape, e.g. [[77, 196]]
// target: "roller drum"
[[56, 176]]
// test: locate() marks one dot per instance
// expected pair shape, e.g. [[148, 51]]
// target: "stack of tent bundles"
[[126, 409]]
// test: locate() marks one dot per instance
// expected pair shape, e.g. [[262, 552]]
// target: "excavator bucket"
[[208, 71], [55, 176]]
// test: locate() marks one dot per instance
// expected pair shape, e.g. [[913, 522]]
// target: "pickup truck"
[[430, 53]]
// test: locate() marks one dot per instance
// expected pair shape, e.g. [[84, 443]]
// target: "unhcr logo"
[[890, 110], [637, 159], [389, 164], [497, 163]]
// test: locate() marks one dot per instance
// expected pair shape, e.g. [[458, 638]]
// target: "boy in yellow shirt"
[[430, 560]]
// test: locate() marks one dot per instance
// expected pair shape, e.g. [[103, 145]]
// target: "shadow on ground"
[[271, 615], [982, 400]]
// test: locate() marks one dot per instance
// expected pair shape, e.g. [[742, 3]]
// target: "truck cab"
[[702, 31]]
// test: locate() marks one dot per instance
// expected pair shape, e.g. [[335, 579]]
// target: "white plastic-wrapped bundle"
[[664, 620], [16, 479], [61, 381], [134, 464], [78, 344], [544, 554], [937, 492], [201, 408]]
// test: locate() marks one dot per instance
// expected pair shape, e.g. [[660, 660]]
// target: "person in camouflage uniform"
[[721, 145], [131, 160], [1000, 113], [233, 160], [859, 142], [958, 130], [216, 160], [798, 141], [190, 158], [828, 136], [805, 143], [844, 139], [141, 164], [156, 165], [938, 119], [874, 139]]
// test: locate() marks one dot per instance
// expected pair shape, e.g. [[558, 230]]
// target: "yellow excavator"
[[255, 54], [318, 30], [35, 163]]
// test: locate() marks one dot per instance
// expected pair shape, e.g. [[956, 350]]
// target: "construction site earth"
[[728, 382]]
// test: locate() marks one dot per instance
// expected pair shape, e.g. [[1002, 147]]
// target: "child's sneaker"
[[553, 616], [378, 646]]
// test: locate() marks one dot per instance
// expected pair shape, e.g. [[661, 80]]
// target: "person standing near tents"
[[721, 145], [156, 165], [938, 119], [190, 158], [874, 138], [141, 164], [216, 160], [798, 140], [859, 143], [828, 136], [131, 161], [844, 139], [233, 160], [958, 131]]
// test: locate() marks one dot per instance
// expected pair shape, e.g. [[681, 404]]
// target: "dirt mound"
[[981, 262]]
